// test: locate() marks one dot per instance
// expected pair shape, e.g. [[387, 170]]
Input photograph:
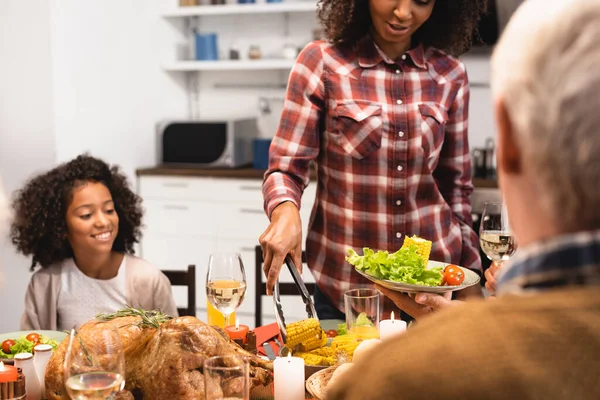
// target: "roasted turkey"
[[163, 361]]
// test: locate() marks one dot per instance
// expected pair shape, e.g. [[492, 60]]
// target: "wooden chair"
[[185, 278], [285, 288]]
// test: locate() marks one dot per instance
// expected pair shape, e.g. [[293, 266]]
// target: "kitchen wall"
[[81, 76], [26, 125]]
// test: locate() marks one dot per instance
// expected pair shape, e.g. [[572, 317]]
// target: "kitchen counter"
[[245, 173]]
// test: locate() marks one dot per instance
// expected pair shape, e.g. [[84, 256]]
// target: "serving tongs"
[[308, 302]]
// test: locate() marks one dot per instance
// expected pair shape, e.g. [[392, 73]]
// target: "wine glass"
[[226, 377], [495, 237], [225, 282], [94, 365]]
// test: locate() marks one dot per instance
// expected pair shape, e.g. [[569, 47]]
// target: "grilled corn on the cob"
[[423, 246], [305, 335]]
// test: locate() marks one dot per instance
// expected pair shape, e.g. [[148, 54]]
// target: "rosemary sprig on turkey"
[[149, 318]]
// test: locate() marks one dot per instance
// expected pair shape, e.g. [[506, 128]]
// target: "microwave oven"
[[207, 143]]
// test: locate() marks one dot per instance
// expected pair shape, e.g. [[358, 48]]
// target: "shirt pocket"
[[432, 120], [357, 128]]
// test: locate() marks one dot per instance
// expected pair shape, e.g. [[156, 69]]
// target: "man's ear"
[[508, 155]]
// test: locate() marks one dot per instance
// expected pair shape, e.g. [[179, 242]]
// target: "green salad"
[[24, 345], [405, 266]]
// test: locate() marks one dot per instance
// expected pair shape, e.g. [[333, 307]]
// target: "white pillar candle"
[[391, 327], [289, 378]]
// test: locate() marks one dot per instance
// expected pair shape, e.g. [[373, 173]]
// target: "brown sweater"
[[542, 346]]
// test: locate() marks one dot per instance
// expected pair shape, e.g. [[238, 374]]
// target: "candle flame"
[[392, 316], [289, 356], [237, 324], [1, 366]]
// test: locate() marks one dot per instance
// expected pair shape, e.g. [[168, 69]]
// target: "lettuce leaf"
[[405, 266]]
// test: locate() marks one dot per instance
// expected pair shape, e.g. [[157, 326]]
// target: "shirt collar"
[[570, 259], [369, 54]]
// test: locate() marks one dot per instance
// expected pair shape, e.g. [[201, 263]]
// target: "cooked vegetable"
[[405, 265], [423, 246], [342, 329], [25, 345], [305, 335]]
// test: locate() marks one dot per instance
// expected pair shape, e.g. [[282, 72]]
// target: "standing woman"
[[382, 108]]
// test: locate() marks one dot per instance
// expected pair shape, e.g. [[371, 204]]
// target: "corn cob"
[[344, 346], [305, 335], [423, 246]]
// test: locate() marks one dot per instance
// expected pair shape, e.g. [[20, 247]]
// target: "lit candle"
[[289, 378], [8, 373], [391, 327], [238, 331]]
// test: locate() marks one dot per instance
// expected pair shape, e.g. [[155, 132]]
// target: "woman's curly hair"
[[450, 28], [40, 228]]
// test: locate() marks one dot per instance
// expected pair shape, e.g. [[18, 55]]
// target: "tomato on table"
[[6, 345], [33, 337]]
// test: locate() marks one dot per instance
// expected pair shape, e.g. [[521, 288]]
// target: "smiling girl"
[[79, 222], [382, 108]]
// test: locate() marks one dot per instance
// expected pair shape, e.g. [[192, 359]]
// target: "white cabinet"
[[187, 218]]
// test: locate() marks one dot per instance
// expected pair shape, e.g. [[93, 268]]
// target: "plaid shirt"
[[390, 142], [567, 260]]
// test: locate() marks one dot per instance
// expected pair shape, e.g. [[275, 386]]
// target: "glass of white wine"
[[94, 365], [226, 282], [495, 237]]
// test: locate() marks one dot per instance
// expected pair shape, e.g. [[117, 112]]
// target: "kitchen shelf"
[[234, 9], [230, 65]]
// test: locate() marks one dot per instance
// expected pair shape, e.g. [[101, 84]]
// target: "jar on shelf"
[[254, 52]]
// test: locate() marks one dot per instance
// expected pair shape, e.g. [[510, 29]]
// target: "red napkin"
[[267, 333]]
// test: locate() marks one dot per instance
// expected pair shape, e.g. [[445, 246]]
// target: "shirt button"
[[401, 134], [404, 56], [397, 71], [399, 167], [398, 235], [398, 101], [398, 202]]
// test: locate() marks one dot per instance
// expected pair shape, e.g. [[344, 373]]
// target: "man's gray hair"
[[546, 69]]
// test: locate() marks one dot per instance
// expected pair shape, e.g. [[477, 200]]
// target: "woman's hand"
[[421, 304], [283, 236], [490, 277]]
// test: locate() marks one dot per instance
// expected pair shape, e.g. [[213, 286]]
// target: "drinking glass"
[[225, 282], [226, 377], [495, 237], [94, 365], [362, 312]]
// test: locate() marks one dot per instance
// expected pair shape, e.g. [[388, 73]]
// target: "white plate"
[[471, 278], [56, 335]]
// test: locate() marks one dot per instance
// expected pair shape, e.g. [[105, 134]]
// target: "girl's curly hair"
[[450, 28], [40, 228]]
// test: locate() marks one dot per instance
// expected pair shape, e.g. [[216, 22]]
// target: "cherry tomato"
[[33, 337], [331, 333], [453, 277], [6, 345], [452, 267]]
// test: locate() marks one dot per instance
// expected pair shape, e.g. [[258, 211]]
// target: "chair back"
[[285, 288], [185, 278]]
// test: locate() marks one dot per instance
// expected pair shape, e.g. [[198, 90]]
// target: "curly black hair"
[[450, 28], [40, 228]]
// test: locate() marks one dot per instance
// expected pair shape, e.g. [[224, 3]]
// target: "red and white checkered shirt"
[[390, 142]]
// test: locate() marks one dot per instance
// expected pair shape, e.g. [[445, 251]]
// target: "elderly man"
[[540, 339]]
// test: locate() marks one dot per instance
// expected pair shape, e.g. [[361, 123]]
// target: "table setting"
[[127, 354]]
